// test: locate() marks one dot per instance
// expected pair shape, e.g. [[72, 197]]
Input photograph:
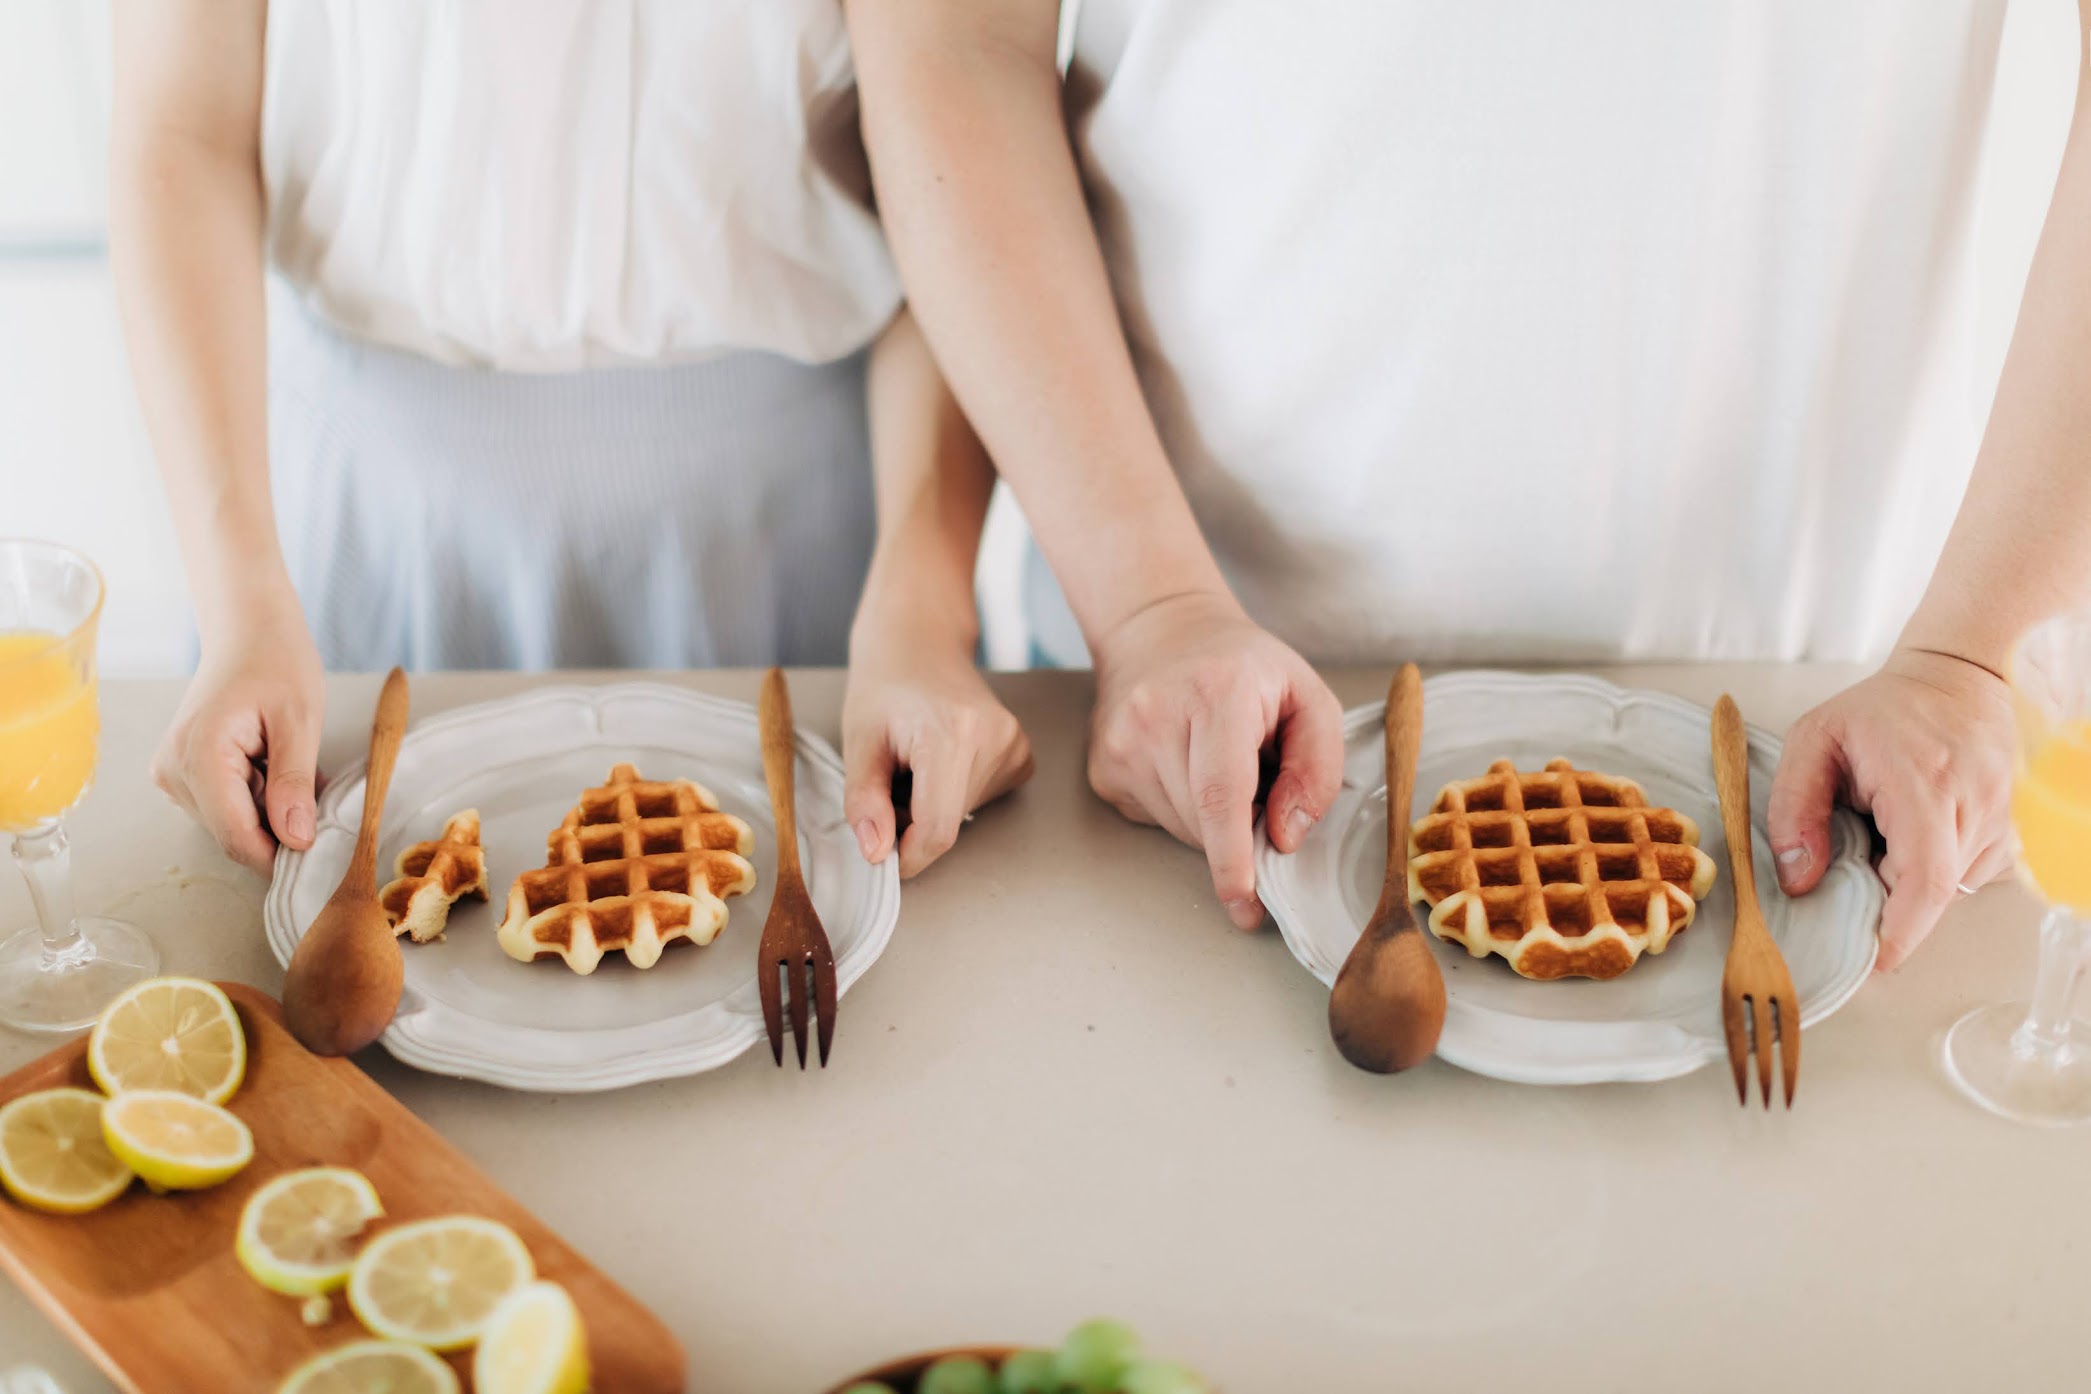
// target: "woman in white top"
[[566, 365], [1614, 330]]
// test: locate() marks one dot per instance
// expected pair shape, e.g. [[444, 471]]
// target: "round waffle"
[[1564, 872], [636, 865], [430, 877]]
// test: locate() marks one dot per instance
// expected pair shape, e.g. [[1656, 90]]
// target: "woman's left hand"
[[923, 707], [1926, 746]]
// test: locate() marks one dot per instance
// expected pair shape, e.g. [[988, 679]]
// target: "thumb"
[[1310, 763], [292, 733], [867, 793], [1804, 792]]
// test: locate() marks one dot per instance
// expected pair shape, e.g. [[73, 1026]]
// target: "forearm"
[[186, 249], [2020, 549], [932, 482], [980, 197]]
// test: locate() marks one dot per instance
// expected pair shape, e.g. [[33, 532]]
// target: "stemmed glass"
[[2031, 1061], [58, 974]]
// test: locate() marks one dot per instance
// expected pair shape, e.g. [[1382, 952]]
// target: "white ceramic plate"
[[1662, 1018], [472, 1011]]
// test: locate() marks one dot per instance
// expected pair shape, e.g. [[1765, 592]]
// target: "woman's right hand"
[[1189, 693], [242, 756]]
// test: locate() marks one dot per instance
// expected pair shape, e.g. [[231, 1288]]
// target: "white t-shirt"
[[1522, 330], [553, 184]]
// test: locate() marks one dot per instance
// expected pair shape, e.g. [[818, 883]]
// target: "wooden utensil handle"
[[1404, 741], [386, 729], [1731, 776], [779, 754]]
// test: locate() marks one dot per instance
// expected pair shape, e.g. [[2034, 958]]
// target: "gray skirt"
[[716, 514]]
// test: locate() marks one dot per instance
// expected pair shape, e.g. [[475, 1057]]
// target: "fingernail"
[[300, 820], [1298, 824], [1240, 911], [1793, 862], [868, 839]]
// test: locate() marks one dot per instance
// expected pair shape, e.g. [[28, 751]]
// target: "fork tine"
[[796, 971], [1765, 1037], [1738, 1043], [772, 1005], [824, 995], [1789, 1043]]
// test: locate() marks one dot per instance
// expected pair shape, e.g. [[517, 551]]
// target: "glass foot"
[[43, 991], [2004, 1074]]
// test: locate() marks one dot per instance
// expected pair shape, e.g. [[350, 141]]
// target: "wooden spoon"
[[345, 978], [1388, 1005]]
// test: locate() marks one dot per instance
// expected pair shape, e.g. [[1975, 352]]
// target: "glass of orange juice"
[[2031, 1061], [59, 973]]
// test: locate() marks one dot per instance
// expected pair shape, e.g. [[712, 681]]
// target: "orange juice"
[[2051, 808], [47, 729]]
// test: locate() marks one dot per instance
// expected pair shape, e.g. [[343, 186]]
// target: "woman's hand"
[[917, 703], [1189, 694], [242, 755], [1924, 745]]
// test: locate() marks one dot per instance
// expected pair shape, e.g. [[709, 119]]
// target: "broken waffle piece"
[[433, 876], [1566, 873], [636, 865]]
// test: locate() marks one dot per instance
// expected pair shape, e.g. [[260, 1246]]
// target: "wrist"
[[254, 606], [1979, 645], [896, 615]]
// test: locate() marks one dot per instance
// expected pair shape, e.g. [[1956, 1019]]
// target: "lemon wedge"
[[371, 1367], [175, 1141], [297, 1233], [52, 1155], [170, 1033], [435, 1282], [532, 1344]]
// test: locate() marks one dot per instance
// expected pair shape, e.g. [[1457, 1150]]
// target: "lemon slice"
[[297, 1233], [169, 1033], [174, 1141], [371, 1367], [52, 1155], [435, 1282], [533, 1344]]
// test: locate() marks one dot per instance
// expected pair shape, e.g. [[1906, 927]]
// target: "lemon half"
[[533, 1344], [53, 1155], [297, 1233], [170, 1033], [435, 1282], [371, 1367], [175, 1141]]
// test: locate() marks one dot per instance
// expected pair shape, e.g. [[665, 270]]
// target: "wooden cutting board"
[[148, 1285]]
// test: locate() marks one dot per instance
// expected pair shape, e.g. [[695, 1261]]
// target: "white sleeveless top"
[[1527, 330], [552, 184]]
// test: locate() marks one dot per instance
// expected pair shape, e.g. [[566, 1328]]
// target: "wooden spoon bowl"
[[345, 979]]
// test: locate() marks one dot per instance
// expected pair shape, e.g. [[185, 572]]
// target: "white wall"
[[74, 465]]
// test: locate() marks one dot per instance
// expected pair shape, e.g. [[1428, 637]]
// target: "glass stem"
[[46, 859], [2045, 1034]]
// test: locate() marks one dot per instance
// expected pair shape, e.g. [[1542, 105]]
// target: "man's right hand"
[[1189, 692], [242, 755]]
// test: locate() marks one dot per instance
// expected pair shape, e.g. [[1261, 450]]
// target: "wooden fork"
[[1758, 1005], [794, 946]]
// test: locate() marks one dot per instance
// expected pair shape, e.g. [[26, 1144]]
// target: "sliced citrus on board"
[[170, 1033], [53, 1156], [435, 1282], [175, 1141], [532, 1344], [371, 1367], [298, 1233]]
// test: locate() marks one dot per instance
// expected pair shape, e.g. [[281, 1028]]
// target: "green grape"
[[1030, 1372], [957, 1374], [869, 1386], [1161, 1377], [1095, 1356]]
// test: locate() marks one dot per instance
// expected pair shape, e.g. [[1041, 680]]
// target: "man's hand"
[[242, 756], [1189, 692], [1924, 745]]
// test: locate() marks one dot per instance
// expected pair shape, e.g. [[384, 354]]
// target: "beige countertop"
[[1069, 1088]]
